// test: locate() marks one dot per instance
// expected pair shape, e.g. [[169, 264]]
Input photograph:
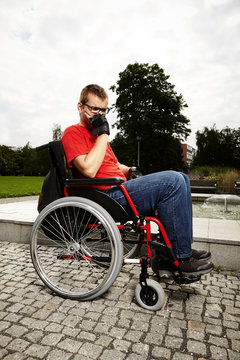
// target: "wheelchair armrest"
[[95, 181]]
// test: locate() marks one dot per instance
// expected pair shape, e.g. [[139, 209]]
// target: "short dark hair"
[[92, 89]]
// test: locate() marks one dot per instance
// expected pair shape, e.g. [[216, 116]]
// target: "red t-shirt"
[[77, 140]]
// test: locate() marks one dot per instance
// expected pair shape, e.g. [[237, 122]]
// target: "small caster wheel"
[[151, 297]]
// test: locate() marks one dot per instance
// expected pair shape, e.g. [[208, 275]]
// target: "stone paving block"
[[218, 352], [195, 335], [112, 354], [54, 327], [16, 356], [70, 345], [18, 344], [37, 351], [112, 320], [196, 347], [58, 355], [214, 329], [71, 321], [4, 325], [232, 355], [233, 334], [86, 335], [236, 345], [3, 353], [102, 328], [16, 330], [51, 339], [4, 341], [181, 356], [104, 340], [161, 352], [134, 356], [13, 318], [34, 336], [218, 341], [90, 350], [69, 331], [141, 349], [175, 331], [117, 333], [133, 336], [122, 345], [173, 342]]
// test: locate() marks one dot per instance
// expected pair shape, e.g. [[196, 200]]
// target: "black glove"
[[100, 124], [134, 172]]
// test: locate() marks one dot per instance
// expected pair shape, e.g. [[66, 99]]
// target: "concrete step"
[[221, 237]]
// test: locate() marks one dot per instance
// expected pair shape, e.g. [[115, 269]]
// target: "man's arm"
[[124, 169], [89, 164]]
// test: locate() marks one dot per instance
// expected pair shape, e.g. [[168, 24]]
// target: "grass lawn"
[[13, 186]]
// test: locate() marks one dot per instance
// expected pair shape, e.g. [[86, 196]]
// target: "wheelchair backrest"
[[55, 181]]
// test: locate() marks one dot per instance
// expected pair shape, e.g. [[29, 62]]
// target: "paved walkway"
[[199, 321]]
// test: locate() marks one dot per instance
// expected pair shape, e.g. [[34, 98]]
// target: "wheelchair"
[[80, 241]]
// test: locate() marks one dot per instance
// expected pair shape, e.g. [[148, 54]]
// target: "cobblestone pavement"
[[199, 321]]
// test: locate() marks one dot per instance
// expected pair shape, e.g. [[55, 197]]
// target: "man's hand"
[[134, 172], [100, 124]]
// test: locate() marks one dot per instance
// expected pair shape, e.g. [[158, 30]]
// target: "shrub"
[[226, 180], [224, 176]]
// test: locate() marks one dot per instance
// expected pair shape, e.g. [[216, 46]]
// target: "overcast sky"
[[51, 49]]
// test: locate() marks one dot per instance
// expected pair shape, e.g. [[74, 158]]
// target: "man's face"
[[94, 105]]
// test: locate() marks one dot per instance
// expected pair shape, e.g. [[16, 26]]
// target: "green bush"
[[225, 176]]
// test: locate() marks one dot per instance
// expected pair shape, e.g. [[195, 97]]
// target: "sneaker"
[[201, 254], [193, 267]]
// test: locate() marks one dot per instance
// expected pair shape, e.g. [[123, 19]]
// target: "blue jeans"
[[168, 192]]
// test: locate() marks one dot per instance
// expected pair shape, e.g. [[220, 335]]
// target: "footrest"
[[156, 245], [186, 279]]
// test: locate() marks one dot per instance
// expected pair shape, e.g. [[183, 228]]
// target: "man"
[[89, 153]]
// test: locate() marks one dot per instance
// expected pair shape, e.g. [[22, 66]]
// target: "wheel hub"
[[73, 247]]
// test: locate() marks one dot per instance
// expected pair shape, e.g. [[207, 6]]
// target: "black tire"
[[154, 297]]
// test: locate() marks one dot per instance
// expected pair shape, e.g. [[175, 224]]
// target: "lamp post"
[[138, 140]]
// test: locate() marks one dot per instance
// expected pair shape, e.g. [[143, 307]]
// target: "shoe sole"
[[204, 259], [197, 273]]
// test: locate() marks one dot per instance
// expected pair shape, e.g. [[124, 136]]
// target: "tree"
[[218, 148], [10, 161], [57, 132], [149, 108]]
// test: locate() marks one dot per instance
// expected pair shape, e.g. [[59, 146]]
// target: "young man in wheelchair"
[[88, 151]]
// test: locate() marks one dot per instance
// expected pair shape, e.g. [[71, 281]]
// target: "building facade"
[[187, 153]]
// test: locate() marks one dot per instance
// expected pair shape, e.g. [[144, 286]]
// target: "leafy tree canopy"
[[218, 147], [149, 108], [56, 132]]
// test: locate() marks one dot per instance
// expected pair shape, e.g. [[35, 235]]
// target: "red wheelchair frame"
[[160, 244]]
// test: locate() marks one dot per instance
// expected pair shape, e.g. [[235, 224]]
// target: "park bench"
[[237, 187], [203, 186]]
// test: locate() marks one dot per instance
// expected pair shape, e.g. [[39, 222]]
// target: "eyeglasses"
[[96, 110]]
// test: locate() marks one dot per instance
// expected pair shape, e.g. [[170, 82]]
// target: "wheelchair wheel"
[[76, 248], [152, 297]]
